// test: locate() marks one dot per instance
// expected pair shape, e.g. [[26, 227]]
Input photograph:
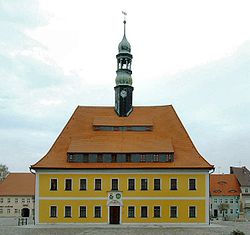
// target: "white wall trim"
[[207, 206], [37, 199], [124, 198]]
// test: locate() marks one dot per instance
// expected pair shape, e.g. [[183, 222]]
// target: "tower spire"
[[123, 89]]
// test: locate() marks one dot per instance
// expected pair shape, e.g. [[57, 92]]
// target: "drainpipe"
[[212, 171]]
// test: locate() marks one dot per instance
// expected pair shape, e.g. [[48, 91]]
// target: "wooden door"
[[114, 215]]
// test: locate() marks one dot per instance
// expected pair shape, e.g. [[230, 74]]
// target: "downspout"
[[209, 194]]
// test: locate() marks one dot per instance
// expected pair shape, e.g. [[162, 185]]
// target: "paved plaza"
[[220, 227]]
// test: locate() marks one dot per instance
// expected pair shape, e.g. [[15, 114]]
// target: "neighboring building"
[[243, 176], [17, 195], [224, 196], [123, 164]]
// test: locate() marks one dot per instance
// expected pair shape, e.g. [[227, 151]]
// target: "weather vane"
[[124, 13]]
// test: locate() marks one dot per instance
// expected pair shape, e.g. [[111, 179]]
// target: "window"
[[99, 158], [215, 200], [53, 184], [231, 200], [131, 184], [83, 184], [226, 200], [192, 212], [1, 211], [8, 200], [1, 200], [192, 184], [16, 211], [231, 211], [156, 158], [16, 200], [173, 184], [246, 190], [226, 211], [114, 184], [173, 211], [157, 184], [28, 200], [53, 211], [8, 211], [98, 212], [144, 212], [23, 200], [157, 211], [98, 184], [68, 184], [144, 184], [67, 212], [143, 158], [131, 212], [83, 212]]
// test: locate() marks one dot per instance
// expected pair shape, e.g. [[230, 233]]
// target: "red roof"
[[18, 184], [167, 135], [224, 185]]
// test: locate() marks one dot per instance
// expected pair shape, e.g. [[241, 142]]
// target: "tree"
[[223, 207], [3, 172]]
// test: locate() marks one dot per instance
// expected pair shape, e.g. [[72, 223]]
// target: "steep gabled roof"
[[224, 185], [168, 134], [18, 184], [242, 174]]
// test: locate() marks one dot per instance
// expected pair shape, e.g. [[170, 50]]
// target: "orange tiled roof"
[[18, 184], [224, 185], [167, 134]]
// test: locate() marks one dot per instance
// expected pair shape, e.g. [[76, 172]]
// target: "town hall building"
[[123, 165]]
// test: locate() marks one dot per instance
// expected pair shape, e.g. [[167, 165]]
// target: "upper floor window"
[[53, 211], [98, 184], [23, 200], [28, 200], [173, 211], [192, 184], [131, 184], [246, 190], [173, 184], [1, 200], [16, 200], [192, 212], [53, 184], [68, 184], [67, 212], [144, 184], [83, 184], [157, 184], [8, 200], [114, 184], [156, 158], [131, 212], [157, 211]]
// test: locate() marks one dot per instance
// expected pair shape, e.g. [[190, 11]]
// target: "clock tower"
[[123, 88]]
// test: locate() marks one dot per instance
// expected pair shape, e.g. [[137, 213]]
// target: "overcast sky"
[[55, 55]]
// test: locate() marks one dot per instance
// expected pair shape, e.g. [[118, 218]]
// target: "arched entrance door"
[[25, 212]]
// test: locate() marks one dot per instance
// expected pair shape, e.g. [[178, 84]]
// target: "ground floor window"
[[144, 211], [83, 212], [192, 212], [67, 212], [98, 212], [173, 211], [131, 212], [157, 211], [53, 211]]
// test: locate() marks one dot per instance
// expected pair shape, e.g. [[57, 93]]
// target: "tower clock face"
[[123, 93]]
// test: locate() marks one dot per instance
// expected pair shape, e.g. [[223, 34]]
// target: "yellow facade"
[[182, 198]]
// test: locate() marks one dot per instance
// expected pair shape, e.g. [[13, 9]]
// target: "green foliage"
[[237, 232], [3, 171]]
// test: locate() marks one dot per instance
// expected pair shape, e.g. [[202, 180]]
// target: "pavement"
[[217, 227]]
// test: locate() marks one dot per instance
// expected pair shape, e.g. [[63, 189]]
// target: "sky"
[[56, 55]]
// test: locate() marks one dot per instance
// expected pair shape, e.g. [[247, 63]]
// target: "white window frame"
[[94, 184], [147, 184], [118, 184], [94, 211], [50, 211], [72, 184], [134, 184], [160, 184], [80, 184], [70, 211], [141, 212], [196, 212], [154, 211], [80, 211], [134, 212], [176, 212], [56, 184], [196, 185], [177, 185]]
